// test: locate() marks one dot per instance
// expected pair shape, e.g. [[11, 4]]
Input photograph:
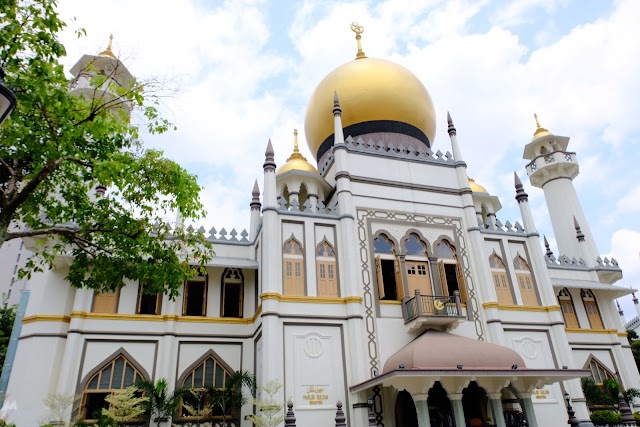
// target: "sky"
[[246, 70]]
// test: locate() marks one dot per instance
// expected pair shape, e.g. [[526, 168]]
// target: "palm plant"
[[231, 397], [162, 404]]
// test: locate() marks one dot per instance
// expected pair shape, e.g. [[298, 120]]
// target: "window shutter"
[[399, 281], [379, 277]]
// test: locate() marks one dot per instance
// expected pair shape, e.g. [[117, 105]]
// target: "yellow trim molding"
[[45, 318], [623, 334], [308, 299], [164, 318], [387, 302], [590, 331], [521, 307]]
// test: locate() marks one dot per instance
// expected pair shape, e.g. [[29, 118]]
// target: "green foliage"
[[60, 407], [232, 397], [7, 317], [636, 416], [596, 395], [635, 349], [161, 403], [56, 147], [605, 418], [631, 335], [125, 405], [271, 409]]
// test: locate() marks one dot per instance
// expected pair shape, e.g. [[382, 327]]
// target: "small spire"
[[336, 104], [635, 299], [255, 197], [358, 29], [620, 312], [451, 127], [269, 161], [546, 245], [521, 195], [108, 52], [579, 233]]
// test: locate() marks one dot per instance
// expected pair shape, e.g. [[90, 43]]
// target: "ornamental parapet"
[[488, 226]]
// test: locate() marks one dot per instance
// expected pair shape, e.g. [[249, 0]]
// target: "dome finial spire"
[[540, 131], [295, 141], [358, 29], [108, 51]]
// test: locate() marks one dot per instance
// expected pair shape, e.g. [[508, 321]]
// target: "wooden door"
[[327, 279], [106, 302], [527, 290], [418, 278], [593, 314], [503, 290], [293, 277], [569, 314]]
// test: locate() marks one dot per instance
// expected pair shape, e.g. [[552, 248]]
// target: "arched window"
[[388, 272], [303, 196], [232, 292], [207, 372], [326, 270], [451, 276], [500, 280], [417, 266], [293, 268], [599, 372], [525, 282], [568, 309], [194, 300], [591, 307], [117, 374]]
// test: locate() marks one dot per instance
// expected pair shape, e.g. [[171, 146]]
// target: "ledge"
[[521, 307], [310, 299], [592, 331]]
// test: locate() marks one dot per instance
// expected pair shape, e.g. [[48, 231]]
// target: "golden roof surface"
[[368, 89], [296, 161], [476, 188], [107, 51], [540, 131]]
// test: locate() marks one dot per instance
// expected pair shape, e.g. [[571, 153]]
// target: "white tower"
[[118, 80], [553, 168]]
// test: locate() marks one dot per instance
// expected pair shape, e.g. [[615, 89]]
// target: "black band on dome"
[[390, 126]]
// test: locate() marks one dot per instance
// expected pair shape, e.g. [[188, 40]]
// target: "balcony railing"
[[431, 306]]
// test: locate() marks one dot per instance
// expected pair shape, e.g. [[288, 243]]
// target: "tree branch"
[[60, 229]]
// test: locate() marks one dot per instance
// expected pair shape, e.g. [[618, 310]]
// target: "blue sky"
[[246, 70]]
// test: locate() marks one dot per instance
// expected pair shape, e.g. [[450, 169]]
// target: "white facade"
[[275, 303]]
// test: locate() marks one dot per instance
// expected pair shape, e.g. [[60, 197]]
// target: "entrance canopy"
[[455, 361]]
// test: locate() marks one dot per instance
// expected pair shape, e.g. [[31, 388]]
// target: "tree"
[[199, 404], [7, 317], [162, 404], [56, 148], [231, 397], [271, 410], [60, 407], [125, 405]]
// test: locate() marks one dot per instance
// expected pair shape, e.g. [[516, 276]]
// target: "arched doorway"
[[406, 415], [474, 403], [440, 413]]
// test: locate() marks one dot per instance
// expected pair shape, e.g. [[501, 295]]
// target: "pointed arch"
[[413, 244], [388, 268], [285, 195], [293, 267], [417, 269], [117, 372], [208, 371], [599, 372], [232, 292], [501, 280], [591, 307], [568, 309], [326, 270], [450, 268], [303, 195], [383, 244], [527, 285]]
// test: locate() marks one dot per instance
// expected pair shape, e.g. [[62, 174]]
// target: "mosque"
[[375, 274]]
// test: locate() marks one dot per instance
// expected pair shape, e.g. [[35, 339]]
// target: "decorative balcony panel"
[[421, 311]]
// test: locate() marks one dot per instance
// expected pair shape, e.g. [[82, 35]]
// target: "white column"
[[458, 410], [529, 410], [422, 409], [498, 411]]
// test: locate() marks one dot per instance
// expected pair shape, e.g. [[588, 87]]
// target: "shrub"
[[603, 418], [636, 416]]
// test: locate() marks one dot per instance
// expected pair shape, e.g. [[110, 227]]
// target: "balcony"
[[421, 311]]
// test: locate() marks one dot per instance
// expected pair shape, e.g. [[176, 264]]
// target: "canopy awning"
[[524, 380], [616, 291]]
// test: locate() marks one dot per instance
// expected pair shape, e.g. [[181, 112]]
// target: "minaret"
[[105, 64], [523, 203], [553, 169], [453, 135], [621, 314], [635, 302], [255, 211]]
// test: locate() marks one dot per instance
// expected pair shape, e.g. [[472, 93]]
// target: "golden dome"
[[475, 187], [375, 96], [540, 131], [107, 52], [296, 161]]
